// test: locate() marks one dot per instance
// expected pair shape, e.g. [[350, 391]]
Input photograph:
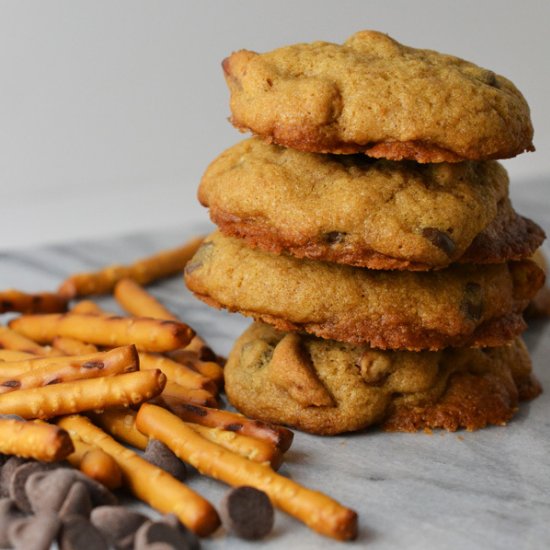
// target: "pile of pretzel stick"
[[93, 387]]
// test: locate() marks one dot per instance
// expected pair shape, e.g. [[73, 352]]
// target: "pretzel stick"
[[318, 511], [9, 339], [177, 394], [88, 307], [144, 271], [23, 302], [149, 483], [95, 463], [83, 395], [13, 355], [175, 372], [121, 424], [234, 422], [40, 441], [137, 301], [43, 371], [147, 334], [70, 346]]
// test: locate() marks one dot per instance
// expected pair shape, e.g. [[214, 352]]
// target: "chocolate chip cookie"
[[376, 96], [364, 212], [328, 387], [458, 306]]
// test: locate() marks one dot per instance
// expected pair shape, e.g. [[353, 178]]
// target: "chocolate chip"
[[247, 512], [334, 237], [47, 491], [160, 535], [18, 479], [190, 267], [160, 455], [100, 495], [118, 525], [8, 468], [35, 532], [8, 513], [78, 533], [472, 303], [77, 502], [193, 542], [440, 239]]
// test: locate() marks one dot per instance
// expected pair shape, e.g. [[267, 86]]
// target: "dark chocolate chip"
[[35, 532], [160, 455], [19, 478], [118, 525], [190, 267], [8, 513], [47, 491], [247, 512], [193, 542], [77, 533], [440, 239], [160, 535], [6, 473], [472, 303], [77, 502], [100, 495], [334, 237]]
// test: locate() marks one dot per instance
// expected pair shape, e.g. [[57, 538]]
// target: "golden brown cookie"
[[327, 387], [379, 97], [369, 213], [460, 305]]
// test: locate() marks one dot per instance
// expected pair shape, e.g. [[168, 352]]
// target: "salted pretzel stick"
[[120, 423], [318, 511], [43, 371], [40, 441], [175, 372], [144, 271], [177, 394], [137, 301], [83, 395], [95, 463], [9, 339], [70, 346], [23, 302], [146, 334], [14, 355], [234, 422], [147, 482]]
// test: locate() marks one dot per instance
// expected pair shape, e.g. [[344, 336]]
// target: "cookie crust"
[[459, 306], [401, 391], [368, 213], [376, 96]]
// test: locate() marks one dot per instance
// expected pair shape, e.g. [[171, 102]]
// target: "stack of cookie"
[[369, 232]]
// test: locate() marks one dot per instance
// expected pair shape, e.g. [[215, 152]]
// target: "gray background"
[[111, 110]]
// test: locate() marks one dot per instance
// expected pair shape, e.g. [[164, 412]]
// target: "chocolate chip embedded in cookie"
[[377, 96], [403, 391], [460, 305], [369, 213]]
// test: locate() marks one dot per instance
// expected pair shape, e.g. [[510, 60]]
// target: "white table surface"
[[484, 490]]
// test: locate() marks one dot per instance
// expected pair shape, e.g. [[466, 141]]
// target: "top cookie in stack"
[[368, 212]]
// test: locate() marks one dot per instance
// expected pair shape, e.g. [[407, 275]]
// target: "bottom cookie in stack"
[[328, 387]]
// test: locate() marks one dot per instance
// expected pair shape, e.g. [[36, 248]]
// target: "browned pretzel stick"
[[147, 482], [23, 302], [36, 440], [83, 395], [11, 340], [318, 511], [234, 422], [144, 271], [146, 334], [43, 371]]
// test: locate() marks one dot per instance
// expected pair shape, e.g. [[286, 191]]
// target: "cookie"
[[370, 213], [458, 306], [376, 96], [279, 376]]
